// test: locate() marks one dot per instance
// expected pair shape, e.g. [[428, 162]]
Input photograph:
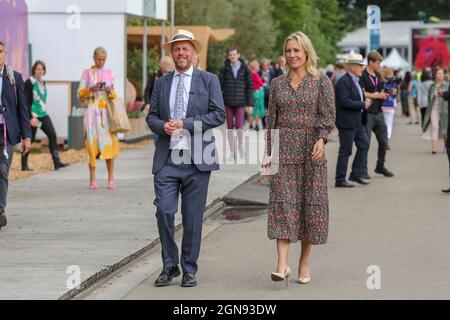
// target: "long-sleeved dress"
[[298, 200], [99, 141], [435, 121]]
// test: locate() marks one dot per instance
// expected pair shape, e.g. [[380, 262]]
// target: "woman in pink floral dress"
[[302, 114], [96, 88]]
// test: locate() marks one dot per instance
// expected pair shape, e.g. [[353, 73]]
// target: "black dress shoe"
[[446, 190], [3, 221], [166, 276], [365, 176], [60, 165], [343, 184], [189, 280], [358, 180], [385, 172]]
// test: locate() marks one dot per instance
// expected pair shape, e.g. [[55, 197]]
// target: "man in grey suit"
[[185, 103]]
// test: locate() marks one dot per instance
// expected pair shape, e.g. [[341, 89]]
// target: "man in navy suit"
[[185, 103], [350, 106], [14, 124], [446, 96]]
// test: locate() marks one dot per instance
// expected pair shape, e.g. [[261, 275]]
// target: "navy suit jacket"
[[447, 98], [205, 106], [16, 114], [349, 107]]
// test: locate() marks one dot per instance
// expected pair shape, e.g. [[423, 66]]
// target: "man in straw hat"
[[350, 120], [185, 103]]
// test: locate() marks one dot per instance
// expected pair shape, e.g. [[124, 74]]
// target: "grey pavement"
[[399, 225], [55, 221]]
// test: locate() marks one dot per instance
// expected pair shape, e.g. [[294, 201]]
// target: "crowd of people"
[[290, 96]]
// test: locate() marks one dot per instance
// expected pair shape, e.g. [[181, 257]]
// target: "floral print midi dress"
[[298, 200]]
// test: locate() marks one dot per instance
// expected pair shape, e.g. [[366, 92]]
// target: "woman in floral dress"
[[302, 114], [96, 87]]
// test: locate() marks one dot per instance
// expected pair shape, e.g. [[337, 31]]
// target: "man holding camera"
[[373, 87]]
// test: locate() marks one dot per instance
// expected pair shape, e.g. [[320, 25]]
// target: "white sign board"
[[373, 17]]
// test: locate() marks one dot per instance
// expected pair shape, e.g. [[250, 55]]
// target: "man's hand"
[[26, 146], [173, 127], [367, 103], [383, 95]]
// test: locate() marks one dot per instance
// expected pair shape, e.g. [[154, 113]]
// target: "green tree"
[[134, 66], [256, 30], [194, 12], [354, 11], [214, 13], [320, 20]]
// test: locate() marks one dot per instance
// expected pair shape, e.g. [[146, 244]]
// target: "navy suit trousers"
[[346, 139], [171, 180]]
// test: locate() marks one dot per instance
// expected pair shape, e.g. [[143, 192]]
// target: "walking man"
[[372, 85], [350, 106], [14, 123], [237, 88], [184, 104]]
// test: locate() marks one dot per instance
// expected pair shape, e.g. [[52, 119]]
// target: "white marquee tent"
[[395, 61]]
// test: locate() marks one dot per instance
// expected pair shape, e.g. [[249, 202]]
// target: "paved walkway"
[[399, 224], [55, 221]]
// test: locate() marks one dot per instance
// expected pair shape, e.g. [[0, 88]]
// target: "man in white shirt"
[[182, 100], [14, 124]]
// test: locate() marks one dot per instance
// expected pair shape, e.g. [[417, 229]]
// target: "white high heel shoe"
[[280, 276], [304, 280]]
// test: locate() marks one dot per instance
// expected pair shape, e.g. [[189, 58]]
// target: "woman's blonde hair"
[[311, 55], [386, 73]]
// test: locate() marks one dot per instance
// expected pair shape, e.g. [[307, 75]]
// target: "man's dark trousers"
[[346, 138], [448, 146], [171, 180], [375, 123], [5, 165]]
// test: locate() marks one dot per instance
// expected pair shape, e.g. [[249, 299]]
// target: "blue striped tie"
[[178, 113]]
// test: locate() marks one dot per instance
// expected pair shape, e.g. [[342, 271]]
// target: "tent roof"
[[395, 60], [392, 34]]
